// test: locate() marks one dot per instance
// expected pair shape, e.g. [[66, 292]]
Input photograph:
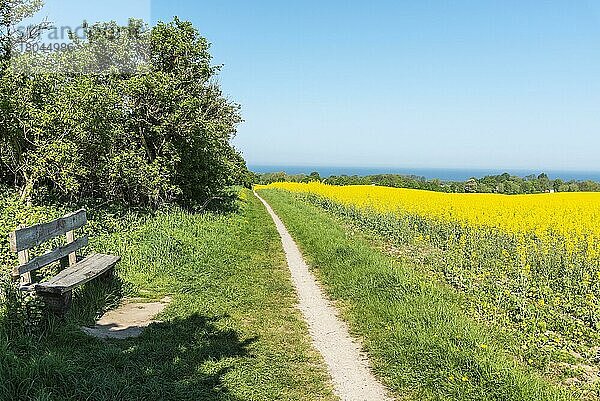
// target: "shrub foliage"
[[153, 129]]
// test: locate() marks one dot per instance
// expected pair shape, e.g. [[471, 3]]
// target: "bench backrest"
[[25, 238]]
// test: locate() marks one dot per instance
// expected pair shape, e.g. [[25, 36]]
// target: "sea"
[[444, 174]]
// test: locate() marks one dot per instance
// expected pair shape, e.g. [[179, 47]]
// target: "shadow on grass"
[[95, 298], [182, 359]]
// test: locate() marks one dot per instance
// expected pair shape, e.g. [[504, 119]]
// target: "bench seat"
[[78, 274]]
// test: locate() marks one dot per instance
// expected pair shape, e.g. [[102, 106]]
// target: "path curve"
[[347, 365]]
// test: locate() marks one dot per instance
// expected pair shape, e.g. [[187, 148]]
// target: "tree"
[[471, 185], [13, 12], [543, 183], [558, 185], [149, 129], [314, 176]]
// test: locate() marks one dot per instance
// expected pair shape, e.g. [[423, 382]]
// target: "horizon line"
[[506, 169]]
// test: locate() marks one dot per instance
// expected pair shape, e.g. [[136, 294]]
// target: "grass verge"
[[231, 332], [420, 340]]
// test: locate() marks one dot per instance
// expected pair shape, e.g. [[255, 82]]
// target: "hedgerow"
[[130, 115]]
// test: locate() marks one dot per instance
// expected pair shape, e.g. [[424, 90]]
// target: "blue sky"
[[462, 84]]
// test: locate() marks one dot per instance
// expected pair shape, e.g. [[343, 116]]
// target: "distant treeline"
[[502, 184]]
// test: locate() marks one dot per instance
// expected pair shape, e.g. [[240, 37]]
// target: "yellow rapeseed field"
[[574, 216], [529, 263]]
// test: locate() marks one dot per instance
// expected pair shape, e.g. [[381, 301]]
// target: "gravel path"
[[347, 365]]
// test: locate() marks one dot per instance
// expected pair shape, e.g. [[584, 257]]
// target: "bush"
[[21, 314], [155, 133]]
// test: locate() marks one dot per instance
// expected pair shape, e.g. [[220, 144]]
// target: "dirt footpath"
[[347, 365]]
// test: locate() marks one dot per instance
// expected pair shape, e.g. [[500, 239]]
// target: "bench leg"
[[107, 275], [58, 304]]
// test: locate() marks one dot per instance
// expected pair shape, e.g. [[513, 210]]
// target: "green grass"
[[421, 342], [232, 331]]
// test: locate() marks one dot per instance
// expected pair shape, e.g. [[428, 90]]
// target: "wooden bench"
[[57, 291]]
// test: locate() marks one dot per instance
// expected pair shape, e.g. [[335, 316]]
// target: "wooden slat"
[[96, 259], [29, 237], [79, 274], [23, 259], [52, 256], [26, 278], [73, 255]]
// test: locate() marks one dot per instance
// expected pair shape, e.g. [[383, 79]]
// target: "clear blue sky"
[[465, 84]]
